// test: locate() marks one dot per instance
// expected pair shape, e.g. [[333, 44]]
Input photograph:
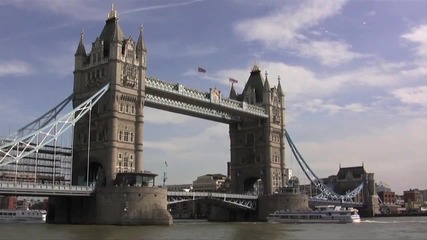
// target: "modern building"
[[50, 164], [210, 183]]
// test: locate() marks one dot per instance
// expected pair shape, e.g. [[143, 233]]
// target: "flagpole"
[[198, 81], [200, 71]]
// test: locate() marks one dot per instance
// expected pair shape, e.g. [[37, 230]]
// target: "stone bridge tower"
[[114, 137], [257, 145]]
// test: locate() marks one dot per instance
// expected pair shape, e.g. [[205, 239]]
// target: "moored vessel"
[[22, 215], [321, 214]]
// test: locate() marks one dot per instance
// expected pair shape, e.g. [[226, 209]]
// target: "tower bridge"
[[110, 92]]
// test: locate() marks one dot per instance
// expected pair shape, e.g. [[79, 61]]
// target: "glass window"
[[126, 137], [131, 137], [120, 135]]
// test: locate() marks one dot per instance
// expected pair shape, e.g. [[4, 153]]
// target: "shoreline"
[[417, 214]]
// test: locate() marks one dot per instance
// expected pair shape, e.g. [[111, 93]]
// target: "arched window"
[[120, 135]]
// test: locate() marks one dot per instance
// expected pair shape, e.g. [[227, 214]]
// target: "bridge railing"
[[205, 97], [211, 194], [34, 188]]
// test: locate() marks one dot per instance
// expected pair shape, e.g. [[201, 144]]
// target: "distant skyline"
[[354, 74]]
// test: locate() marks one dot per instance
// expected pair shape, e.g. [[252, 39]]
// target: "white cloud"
[[88, 9], [176, 49], [77, 9], [418, 35], [319, 105], [371, 13], [197, 142], [416, 95], [154, 116], [189, 155], [382, 150], [285, 27], [171, 5], [329, 53], [15, 68]]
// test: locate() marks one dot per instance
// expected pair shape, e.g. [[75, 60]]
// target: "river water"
[[375, 228]]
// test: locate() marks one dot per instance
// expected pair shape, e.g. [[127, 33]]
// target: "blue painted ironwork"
[[239, 200], [15, 150], [326, 192], [34, 189], [227, 105]]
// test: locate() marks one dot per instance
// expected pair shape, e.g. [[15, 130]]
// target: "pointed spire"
[[140, 45], [113, 13], [279, 87], [255, 68], [266, 83], [81, 51], [112, 31], [233, 94]]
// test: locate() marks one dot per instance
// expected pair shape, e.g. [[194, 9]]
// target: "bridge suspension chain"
[[326, 192], [40, 122], [15, 150]]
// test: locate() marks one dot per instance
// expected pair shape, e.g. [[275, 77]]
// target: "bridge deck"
[[33, 189]]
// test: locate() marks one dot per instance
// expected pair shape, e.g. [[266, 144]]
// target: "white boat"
[[22, 215], [321, 214]]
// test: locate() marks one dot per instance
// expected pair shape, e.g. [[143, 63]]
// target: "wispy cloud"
[[76, 9], [416, 95], [15, 68], [154, 116], [37, 32], [319, 105], [380, 148], [285, 27], [177, 49], [171, 5], [418, 35]]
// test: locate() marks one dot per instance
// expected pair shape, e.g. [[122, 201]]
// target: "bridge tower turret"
[[114, 142], [257, 145]]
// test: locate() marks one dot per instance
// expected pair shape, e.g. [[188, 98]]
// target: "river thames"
[[375, 228]]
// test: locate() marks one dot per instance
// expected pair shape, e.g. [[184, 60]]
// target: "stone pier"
[[113, 205]]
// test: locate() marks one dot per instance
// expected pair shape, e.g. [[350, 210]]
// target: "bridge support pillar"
[[270, 203], [113, 206], [371, 207]]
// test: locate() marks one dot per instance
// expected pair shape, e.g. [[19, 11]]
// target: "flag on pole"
[[232, 80], [201, 70], [166, 163]]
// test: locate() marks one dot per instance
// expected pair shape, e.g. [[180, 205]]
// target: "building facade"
[[50, 164], [210, 183], [413, 199], [388, 198], [115, 134], [258, 145]]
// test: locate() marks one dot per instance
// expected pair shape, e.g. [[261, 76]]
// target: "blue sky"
[[354, 74]]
